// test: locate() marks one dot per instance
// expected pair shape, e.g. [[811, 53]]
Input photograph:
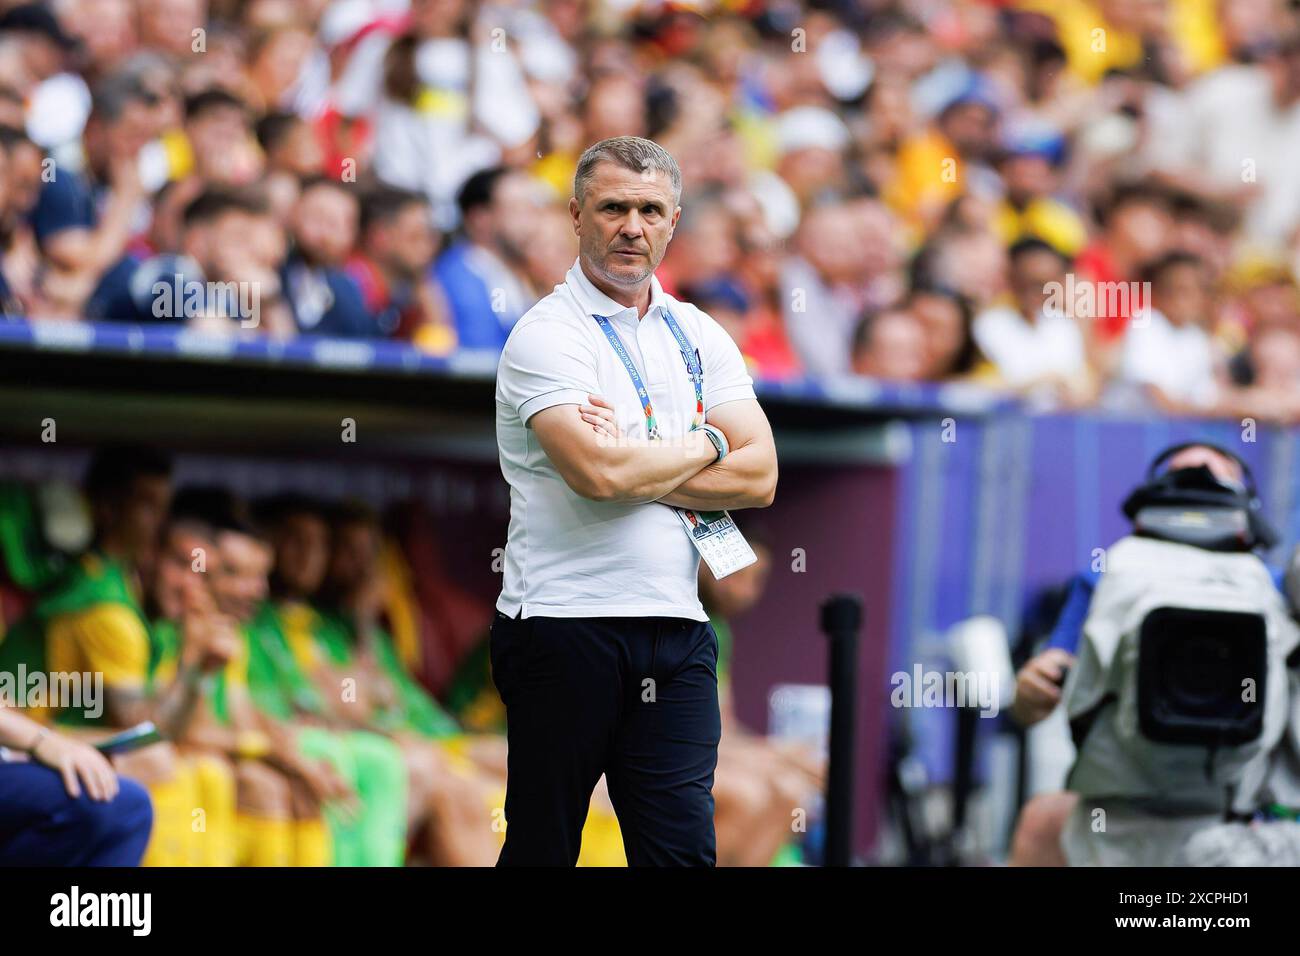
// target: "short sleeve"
[[113, 640], [991, 334], [111, 300], [348, 317], [63, 203], [726, 379], [1069, 625], [546, 362], [1144, 359]]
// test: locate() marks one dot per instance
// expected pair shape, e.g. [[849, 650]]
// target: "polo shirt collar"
[[594, 302]]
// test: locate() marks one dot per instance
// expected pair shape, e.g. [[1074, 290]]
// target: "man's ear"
[[672, 229], [575, 213]]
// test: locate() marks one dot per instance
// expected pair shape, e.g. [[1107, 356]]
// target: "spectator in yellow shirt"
[[935, 166], [1028, 209]]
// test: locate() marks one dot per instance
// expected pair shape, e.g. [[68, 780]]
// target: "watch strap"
[[718, 438]]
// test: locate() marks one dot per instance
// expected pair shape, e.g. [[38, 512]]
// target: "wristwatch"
[[718, 438]]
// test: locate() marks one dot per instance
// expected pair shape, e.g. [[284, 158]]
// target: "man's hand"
[[78, 763], [746, 478], [124, 178], [1037, 688], [713, 489], [600, 416], [210, 640]]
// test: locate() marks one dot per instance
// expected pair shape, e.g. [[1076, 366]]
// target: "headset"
[[1193, 506]]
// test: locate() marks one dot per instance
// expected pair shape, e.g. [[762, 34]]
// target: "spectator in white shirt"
[[1037, 351], [1233, 137], [844, 264], [453, 102], [817, 292], [1169, 354]]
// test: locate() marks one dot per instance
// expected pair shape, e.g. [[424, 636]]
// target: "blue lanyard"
[[690, 356]]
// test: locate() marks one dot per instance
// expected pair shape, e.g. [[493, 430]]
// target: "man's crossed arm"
[[598, 462], [746, 478]]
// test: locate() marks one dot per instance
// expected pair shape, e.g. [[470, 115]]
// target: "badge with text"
[[718, 540]]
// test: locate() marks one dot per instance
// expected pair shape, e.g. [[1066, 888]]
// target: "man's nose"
[[632, 226]]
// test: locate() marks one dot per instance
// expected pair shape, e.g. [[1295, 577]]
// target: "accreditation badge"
[[720, 543]]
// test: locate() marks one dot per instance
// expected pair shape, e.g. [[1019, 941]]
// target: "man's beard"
[[623, 278]]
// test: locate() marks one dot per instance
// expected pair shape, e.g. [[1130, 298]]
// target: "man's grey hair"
[[630, 152]]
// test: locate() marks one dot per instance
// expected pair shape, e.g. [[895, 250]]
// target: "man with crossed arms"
[[600, 648]]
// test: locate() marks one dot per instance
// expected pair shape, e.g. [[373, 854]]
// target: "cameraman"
[[1040, 682]]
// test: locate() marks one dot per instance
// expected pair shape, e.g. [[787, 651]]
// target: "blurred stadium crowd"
[[882, 187]]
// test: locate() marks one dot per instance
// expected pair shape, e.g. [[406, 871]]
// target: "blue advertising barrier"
[[326, 355]]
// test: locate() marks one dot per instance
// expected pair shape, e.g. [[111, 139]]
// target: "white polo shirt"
[[568, 556]]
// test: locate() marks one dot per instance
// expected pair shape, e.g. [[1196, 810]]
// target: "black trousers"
[[634, 698]]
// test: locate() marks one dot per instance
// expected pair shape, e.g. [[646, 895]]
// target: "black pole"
[[841, 620], [963, 782]]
